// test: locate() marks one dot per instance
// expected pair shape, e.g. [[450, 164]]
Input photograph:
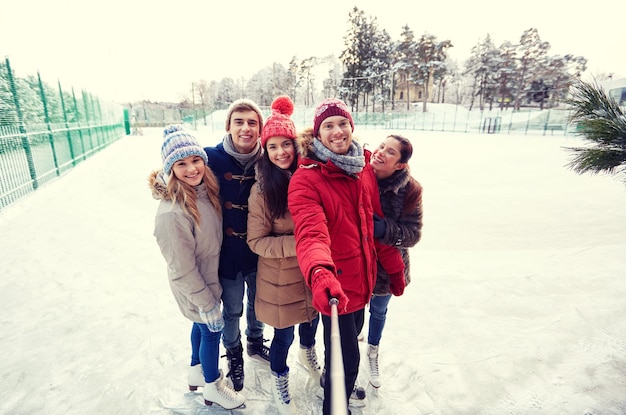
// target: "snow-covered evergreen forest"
[[373, 67]]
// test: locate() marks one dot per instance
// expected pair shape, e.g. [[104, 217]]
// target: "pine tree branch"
[[599, 119]]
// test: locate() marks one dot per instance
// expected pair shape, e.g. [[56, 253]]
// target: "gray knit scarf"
[[351, 163], [243, 159]]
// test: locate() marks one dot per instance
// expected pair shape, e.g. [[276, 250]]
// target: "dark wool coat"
[[191, 251], [235, 184], [404, 229], [334, 226], [282, 297]]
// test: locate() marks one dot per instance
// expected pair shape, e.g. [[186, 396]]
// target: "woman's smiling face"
[[189, 170], [281, 151], [386, 158]]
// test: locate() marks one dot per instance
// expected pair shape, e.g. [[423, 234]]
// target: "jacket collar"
[[395, 182]]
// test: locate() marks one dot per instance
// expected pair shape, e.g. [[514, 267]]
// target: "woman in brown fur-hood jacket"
[[282, 298]]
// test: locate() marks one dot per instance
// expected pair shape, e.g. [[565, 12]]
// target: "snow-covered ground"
[[517, 302]]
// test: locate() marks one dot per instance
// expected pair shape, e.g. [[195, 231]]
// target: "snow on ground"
[[516, 307]]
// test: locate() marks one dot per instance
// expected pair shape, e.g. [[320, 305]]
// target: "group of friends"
[[292, 219]]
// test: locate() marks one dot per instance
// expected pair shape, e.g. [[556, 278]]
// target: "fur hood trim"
[[258, 177], [157, 185], [304, 142], [394, 183]]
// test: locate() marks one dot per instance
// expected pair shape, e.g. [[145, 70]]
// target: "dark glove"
[[324, 286], [397, 283], [380, 227]]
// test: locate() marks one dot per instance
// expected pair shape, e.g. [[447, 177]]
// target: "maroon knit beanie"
[[278, 124], [328, 108]]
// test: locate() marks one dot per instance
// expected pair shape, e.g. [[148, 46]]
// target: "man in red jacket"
[[333, 196]]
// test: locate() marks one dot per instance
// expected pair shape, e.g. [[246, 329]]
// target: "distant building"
[[616, 89], [408, 91]]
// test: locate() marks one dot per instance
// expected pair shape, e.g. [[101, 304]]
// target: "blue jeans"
[[232, 304], [282, 340], [205, 349], [378, 316], [306, 332]]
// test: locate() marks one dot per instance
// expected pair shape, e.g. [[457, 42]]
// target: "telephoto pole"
[[337, 375]]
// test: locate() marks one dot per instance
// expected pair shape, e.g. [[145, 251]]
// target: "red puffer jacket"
[[334, 227]]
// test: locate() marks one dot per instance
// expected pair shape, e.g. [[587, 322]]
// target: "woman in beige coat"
[[188, 230], [282, 297]]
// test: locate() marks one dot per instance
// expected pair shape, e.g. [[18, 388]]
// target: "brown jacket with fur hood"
[[191, 251], [282, 298]]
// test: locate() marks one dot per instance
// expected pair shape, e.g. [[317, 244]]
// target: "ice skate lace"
[[282, 386], [373, 359], [235, 366], [262, 350], [311, 358], [226, 392]]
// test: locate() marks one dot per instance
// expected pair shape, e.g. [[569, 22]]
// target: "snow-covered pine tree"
[[599, 119]]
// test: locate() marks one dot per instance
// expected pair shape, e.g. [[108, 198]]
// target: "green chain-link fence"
[[45, 131], [439, 117]]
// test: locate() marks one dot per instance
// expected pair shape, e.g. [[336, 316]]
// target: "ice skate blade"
[[217, 405]]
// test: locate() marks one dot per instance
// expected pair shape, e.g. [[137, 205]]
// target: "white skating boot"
[[307, 356], [372, 364], [221, 393], [282, 398], [195, 379]]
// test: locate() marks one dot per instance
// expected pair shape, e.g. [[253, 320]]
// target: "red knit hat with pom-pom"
[[278, 124]]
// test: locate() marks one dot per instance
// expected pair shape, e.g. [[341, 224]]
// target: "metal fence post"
[[67, 126], [88, 118], [127, 121], [545, 126], [46, 114], [80, 129], [103, 128], [97, 126], [22, 127]]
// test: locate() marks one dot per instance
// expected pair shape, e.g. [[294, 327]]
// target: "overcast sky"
[[139, 49]]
